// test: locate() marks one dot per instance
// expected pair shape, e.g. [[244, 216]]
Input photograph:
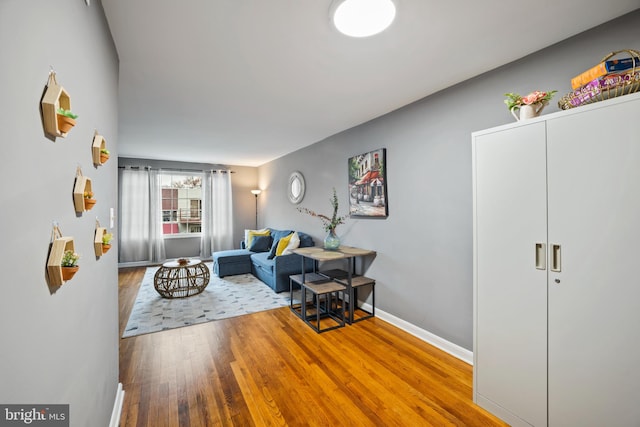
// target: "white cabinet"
[[556, 289]]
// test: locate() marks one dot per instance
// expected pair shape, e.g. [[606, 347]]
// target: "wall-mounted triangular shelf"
[[54, 264], [55, 97]]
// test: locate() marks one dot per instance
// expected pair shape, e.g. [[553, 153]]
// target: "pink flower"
[[533, 97]]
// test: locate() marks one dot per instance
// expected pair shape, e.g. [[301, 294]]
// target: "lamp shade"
[[256, 192]]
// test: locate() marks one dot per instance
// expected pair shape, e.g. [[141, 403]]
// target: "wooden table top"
[[321, 254], [175, 264]]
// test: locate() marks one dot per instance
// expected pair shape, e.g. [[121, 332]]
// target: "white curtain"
[[140, 216], [156, 238], [217, 221]]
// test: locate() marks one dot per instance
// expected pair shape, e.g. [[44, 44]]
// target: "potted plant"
[[106, 242], [332, 241], [530, 106], [66, 120], [104, 155], [89, 201], [69, 264]]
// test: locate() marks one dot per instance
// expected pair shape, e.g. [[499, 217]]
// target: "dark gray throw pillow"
[[260, 244], [274, 247]]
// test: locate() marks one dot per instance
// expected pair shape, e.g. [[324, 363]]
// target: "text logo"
[[34, 415]]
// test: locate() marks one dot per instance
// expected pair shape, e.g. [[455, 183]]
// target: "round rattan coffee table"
[[176, 280]]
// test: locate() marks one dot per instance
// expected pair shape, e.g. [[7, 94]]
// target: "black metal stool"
[[297, 279], [326, 303]]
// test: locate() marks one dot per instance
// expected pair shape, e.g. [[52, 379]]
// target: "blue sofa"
[[274, 271]]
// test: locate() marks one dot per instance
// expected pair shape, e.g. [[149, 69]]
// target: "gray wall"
[[424, 263], [57, 346], [243, 180]]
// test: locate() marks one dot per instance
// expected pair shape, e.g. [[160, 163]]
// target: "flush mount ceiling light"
[[362, 18]]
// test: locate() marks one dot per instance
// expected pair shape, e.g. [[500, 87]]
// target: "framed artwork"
[[368, 185]]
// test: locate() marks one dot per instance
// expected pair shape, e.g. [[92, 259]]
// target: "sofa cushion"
[[274, 248], [252, 233], [233, 255], [282, 244], [260, 244], [228, 263], [261, 260], [279, 234], [306, 241], [287, 244]]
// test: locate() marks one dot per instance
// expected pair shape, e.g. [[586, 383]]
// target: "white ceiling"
[[243, 82]]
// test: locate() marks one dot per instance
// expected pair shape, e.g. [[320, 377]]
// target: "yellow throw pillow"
[[294, 243], [282, 244], [252, 233]]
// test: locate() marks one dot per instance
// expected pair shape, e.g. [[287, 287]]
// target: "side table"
[[348, 278], [175, 280]]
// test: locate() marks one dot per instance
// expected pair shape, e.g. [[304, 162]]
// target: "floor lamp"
[[255, 193]]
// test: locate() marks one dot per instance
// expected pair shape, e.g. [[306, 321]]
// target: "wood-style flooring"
[[270, 368]]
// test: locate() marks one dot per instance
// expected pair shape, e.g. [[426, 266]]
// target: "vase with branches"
[[331, 242]]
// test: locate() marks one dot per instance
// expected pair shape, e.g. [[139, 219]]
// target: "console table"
[[175, 280], [347, 278]]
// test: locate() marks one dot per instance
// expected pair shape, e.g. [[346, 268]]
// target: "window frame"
[[174, 207]]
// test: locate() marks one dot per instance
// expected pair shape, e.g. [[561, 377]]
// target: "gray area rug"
[[227, 297]]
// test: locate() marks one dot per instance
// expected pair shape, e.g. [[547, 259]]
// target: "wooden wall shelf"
[[99, 144], [55, 97], [97, 241], [54, 264], [82, 185]]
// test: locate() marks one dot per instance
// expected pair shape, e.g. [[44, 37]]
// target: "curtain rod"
[[178, 169]]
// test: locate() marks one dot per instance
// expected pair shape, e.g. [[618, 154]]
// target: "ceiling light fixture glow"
[[363, 18]]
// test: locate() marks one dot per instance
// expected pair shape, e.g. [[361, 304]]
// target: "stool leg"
[[303, 302], [318, 309], [373, 300]]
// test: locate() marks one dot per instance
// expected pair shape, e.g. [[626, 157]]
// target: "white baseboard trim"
[[444, 345], [117, 407]]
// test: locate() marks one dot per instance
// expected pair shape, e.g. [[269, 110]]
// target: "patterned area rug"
[[222, 298]]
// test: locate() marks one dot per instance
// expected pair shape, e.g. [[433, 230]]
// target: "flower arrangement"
[[70, 259], [329, 224], [88, 194], [516, 101], [104, 151]]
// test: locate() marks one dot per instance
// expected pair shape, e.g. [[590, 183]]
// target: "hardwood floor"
[[270, 368]]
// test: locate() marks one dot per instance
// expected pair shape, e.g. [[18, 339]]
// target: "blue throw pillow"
[[260, 244], [305, 240], [279, 234], [274, 248]]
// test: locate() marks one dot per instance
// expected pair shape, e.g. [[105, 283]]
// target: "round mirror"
[[296, 187]]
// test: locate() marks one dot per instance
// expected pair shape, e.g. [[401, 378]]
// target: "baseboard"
[[436, 341], [117, 407]]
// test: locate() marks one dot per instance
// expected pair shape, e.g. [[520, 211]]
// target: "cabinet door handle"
[[541, 256], [556, 258]]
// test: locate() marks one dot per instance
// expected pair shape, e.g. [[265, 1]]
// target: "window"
[[181, 203]]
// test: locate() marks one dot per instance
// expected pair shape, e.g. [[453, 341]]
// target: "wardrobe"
[[556, 267]]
